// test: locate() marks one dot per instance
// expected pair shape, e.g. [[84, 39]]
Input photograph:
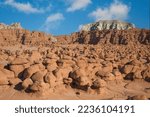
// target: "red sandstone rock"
[[106, 64]]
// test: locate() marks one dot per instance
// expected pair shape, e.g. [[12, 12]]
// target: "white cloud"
[[116, 10], [24, 7], [77, 4], [52, 22], [54, 17]]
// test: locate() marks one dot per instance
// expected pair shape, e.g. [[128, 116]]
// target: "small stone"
[[127, 69], [67, 81], [14, 81], [26, 83], [38, 76], [50, 78]]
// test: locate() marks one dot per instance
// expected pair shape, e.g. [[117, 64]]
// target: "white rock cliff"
[[108, 24]]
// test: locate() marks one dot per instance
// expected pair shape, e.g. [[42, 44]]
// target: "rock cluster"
[[91, 69]]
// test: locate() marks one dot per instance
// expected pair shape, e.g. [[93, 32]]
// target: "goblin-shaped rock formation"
[[107, 25], [97, 64]]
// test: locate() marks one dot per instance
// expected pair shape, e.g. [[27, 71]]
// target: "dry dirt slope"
[[106, 64]]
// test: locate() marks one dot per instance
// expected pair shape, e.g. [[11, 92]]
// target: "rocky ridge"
[[108, 25], [25, 37], [12, 26], [95, 37]]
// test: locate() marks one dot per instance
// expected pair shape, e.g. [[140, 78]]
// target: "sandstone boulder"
[[100, 73], [110, 77], [3, 79], [138, 74], [117, 74], [39, 87], [67, 81], [98, 83], [19, 61], [35, 57], [26, 83], [51, 79], [30, 71], [8, 73], [14, 81], [17, 69], [127, 69], [37, 76], [52, 56]]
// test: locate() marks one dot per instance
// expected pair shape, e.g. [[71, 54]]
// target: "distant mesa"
[[108, 24], [12, 26]]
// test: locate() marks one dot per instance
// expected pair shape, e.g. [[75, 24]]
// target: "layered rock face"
[[99, 64], [94, 37], [25, 37], [12, 26], [113, 36], [107, 25], [14, 34]]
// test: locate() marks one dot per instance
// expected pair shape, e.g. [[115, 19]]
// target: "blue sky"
[[67, 16]]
